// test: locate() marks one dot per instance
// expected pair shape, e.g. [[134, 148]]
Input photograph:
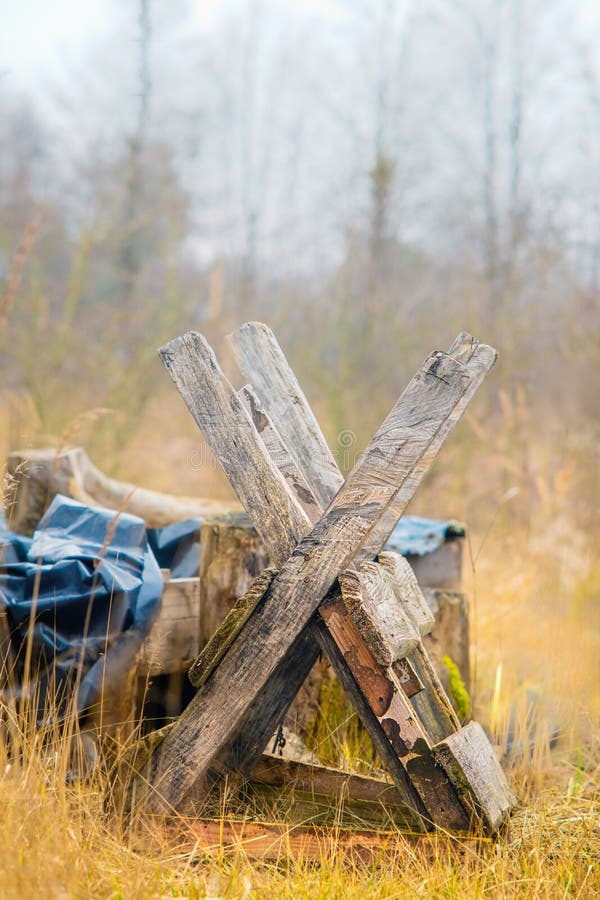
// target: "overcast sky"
[[36, 36]]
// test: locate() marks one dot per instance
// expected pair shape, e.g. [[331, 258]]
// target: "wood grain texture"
[[278, 843], [451, 634], [368, 491], [468, 758], [173, 639], [397, 723], [368, 594], [272, 705], [207, 726], [323, 792], [433, 795], [232, 556], [280, 454], [435, 707], [407, 593], [41, 474], [432, 703], [263, 363]]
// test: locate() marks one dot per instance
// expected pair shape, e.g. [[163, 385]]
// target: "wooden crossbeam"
[[372, 485]]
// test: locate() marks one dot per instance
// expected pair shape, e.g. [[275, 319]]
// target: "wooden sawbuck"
[[332, 588]]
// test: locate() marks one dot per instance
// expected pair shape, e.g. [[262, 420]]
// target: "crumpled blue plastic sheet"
[[417, 536], [177, 547], [85, 590]]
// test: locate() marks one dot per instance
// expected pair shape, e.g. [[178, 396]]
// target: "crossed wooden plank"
[[274, 645]]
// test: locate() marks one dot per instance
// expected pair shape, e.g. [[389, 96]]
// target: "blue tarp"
[[88, 587], [414, 535], [177, 547]]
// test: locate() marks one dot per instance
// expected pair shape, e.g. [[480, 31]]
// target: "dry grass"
[[537, 650]]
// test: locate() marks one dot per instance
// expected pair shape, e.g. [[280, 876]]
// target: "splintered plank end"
[[369, 597], [469, 761]]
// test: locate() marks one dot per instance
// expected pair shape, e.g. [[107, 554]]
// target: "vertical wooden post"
[[231, 555]]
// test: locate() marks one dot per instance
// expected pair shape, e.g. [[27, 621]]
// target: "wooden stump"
[[231, 556]]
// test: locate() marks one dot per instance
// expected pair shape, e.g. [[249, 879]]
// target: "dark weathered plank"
[[217, 647], [468, 758], [232, 556], [373, 695], [270, 707], [432, 704], [357, 797]]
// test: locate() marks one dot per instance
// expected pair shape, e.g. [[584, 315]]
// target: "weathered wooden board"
[[217, 647], [232, 555], [451, 634], [468, 758], [249, 343], [263, 363], [398, 723], [476, 360], [434, 707], [279, 843], [280, 454], [323, 793], [434, 790], [368, 594], [230, 433]]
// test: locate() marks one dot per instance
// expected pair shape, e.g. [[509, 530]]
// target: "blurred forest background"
[[368, 177]]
